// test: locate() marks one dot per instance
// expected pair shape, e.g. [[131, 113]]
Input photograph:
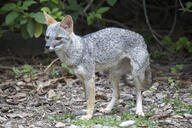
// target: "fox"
[[116, 50]]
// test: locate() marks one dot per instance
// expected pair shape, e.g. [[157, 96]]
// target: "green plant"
[[56, 98], [170, 80], [26, 71], [18, 17], [176, 68], [180, 107], [188, 5], [64, 66], [140, 121], [53, 73], [96, 15], [27, 18], [181, 45], [158, 54], [104, 120], [16, 71]]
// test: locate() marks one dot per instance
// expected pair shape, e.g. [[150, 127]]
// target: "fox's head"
[[58, 34]]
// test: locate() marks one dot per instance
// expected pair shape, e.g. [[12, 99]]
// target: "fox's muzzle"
[[50, 48]]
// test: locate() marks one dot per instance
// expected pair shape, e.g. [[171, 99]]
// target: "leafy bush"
[[188, 5], [18, 17], [25, 71], [181, 45], [27, 18]]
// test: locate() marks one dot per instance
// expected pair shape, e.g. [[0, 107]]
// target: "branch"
[[150, 28], [51, 64], [183, 6], [115, 22], [87, 7], [175, 19]]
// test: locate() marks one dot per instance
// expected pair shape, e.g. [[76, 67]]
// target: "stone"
[[128, 96], [160, 96], [97, 126], [190, 121], [60, 125], [147, 99], [118, 118], [20, 83], [51, 94], [2, 119], [74, 126], [156, 84], [188, 116], [147, 93], [127, 123], [177, 116]]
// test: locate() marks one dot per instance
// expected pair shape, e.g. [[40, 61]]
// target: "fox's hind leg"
[[139, 105], [115, 75]]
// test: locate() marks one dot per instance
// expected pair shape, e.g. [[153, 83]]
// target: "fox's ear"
[[67, 24], [49, 19]]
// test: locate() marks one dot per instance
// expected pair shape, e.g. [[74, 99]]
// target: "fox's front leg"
[[90, 97]]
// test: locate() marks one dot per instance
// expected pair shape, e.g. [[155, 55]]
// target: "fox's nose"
[[47, 47]]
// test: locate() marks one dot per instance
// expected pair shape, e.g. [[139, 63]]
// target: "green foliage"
[[27, 17], [176, 68], [158, 54], [140, 121], [111, 2], [26, 71], [18, 16], [170, 80], [96, 15], [181, 45], [16, 71], [53, 73], [188, 6], [180, 107], [104, 120], [64, 66]]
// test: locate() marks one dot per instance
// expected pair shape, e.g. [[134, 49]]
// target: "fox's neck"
[[71, 55]]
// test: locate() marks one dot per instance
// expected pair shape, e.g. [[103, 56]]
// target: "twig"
[[150, 28], [175, 19], [6, 67], [183, 6], [51, 64], [12, 58], [87, 7], [7, 83], [115, 22]]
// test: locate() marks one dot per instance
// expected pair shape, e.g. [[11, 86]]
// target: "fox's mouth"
[[57, 47]]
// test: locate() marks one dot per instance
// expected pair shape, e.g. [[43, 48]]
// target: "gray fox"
[[116, 50]]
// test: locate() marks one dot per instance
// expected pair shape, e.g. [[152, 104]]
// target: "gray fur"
[[118, 50]]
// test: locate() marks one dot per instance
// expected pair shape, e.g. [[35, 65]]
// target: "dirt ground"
[[55, 98]]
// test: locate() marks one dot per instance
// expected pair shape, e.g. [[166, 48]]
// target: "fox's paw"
[[140, 113], [105, 110], [86, 117]]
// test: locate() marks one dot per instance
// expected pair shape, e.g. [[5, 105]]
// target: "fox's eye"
[[58, 38], [47, 37]]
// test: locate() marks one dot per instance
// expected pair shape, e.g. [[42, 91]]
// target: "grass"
[[104, 120], [111, 121], [140, 121], [179, 106]]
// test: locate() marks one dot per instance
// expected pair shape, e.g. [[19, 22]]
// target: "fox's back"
[[108, 45]]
